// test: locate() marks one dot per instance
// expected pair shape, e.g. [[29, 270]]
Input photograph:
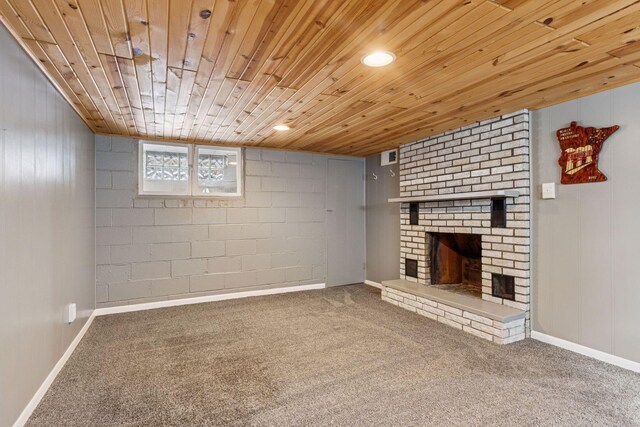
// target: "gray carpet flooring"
[[338, 356]]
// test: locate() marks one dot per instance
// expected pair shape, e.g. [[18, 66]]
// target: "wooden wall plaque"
[[580, 149]]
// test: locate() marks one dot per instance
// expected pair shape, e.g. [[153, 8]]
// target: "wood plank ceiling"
[[227, 71]]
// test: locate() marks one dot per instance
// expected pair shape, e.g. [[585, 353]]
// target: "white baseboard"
[[35, 400], [372, 283], [208, 298], [587, 351]]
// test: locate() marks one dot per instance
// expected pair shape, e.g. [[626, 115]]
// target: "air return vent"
[[498, 213], [389, 157], [414, 213], [503, 286], [411, 268]]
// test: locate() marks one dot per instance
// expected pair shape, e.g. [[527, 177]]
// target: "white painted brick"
[[407, 307], [427, 302], [458, 319], [449, 322], [412, 303], [391, 301], [188, 267], [509, 340], [477, 333], [427, 314], [477, 318], [433, 310], [489, 329], [450, 309]]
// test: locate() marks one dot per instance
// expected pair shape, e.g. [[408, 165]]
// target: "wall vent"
[[503, 286], [389, 157], [414, 213], [411, 268], [498, 213]]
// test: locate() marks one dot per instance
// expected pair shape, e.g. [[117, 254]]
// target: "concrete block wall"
[[153, 248], [488, 155]]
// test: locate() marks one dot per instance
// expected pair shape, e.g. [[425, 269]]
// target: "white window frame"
[[141, 190], [193, 190]]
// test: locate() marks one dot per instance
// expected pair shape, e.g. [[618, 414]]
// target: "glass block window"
[[166, 166], [219, 171], [166, 169]]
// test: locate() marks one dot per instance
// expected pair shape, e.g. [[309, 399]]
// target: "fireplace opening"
[[456, 262]]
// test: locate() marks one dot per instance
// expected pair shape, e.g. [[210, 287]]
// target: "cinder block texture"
[[152, 248], [488, 155]]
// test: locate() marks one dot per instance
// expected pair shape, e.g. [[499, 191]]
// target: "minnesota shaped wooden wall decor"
[[580, 149]]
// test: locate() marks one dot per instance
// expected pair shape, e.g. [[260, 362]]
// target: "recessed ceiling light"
[[379, 59], [281, 128]]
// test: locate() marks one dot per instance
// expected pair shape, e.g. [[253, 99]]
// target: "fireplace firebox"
[[456, 259]]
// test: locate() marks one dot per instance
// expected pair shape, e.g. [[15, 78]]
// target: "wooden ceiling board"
[[226, 71]]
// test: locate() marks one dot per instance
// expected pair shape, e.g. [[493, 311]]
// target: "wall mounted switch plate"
[[549, 190]]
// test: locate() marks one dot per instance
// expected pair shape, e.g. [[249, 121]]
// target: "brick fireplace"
[[465, 228]]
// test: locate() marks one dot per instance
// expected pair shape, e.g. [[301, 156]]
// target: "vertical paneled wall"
[[383, 221], [151, 248], [46, 227], [587, 240]]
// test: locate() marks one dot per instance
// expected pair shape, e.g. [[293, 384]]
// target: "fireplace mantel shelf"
[[458, 196]]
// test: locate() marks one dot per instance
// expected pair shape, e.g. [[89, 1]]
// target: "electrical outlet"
[[70, 314]]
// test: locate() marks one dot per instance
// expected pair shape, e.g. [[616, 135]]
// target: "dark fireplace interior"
[[456, 262]]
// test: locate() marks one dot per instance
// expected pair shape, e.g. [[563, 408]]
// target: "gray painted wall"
[[383, 221], [586, 287], [46, 226], [151, 249]]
